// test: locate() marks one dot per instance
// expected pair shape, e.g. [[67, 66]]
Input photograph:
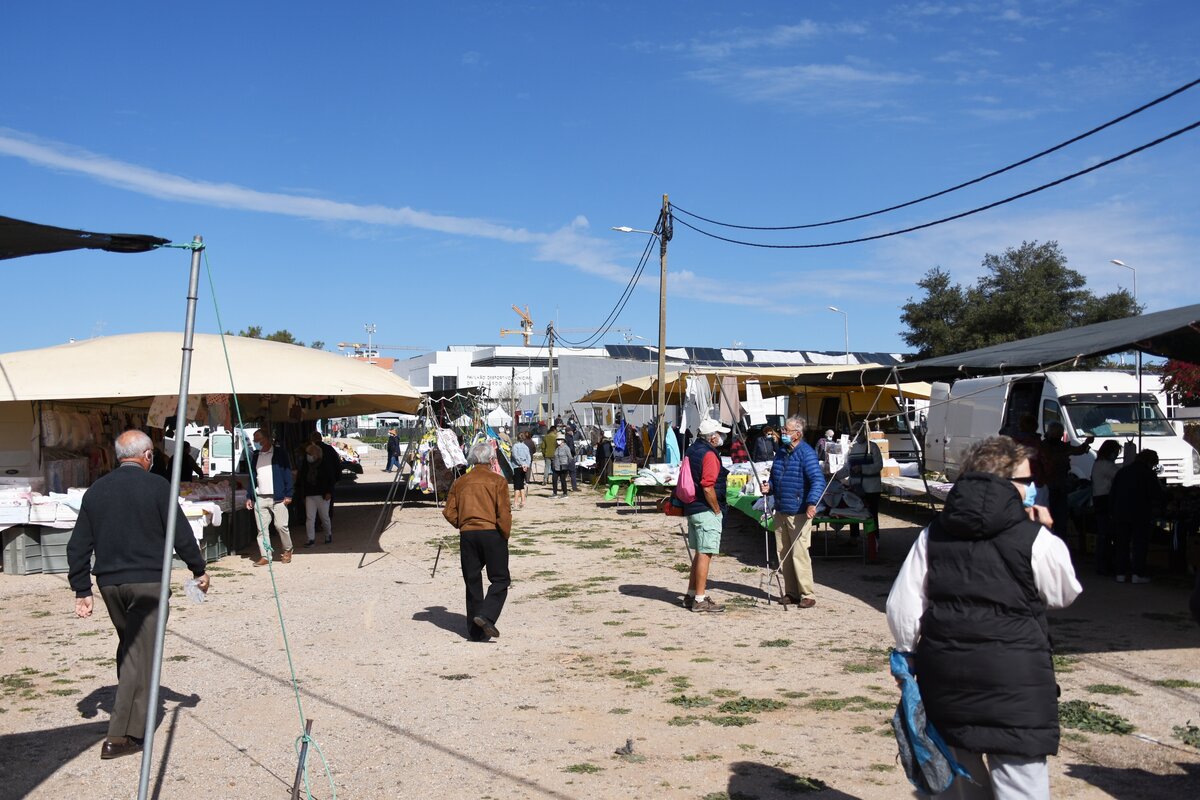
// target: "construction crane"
[[526, 325]]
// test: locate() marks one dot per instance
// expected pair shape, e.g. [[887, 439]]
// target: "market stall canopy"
[[772, 381], [132, 368], [1174, 333], [20, 238]]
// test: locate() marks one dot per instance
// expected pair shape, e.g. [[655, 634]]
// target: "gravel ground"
[[595, 652]]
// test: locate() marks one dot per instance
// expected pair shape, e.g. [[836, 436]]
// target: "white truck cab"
[[1105, 405]]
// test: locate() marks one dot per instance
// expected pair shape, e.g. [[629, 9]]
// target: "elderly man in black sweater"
[[123, 521]]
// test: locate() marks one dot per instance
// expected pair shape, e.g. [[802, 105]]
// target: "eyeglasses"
[[1024, 480]]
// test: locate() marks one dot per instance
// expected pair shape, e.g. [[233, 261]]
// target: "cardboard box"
[[624, 469], [890, 472]]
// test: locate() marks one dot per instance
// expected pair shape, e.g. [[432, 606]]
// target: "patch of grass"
[[800, 784], [1176, 683], [518, 551], [457, 676], [1091, 717], [10, 684], [1075, 736], [690, 701], [860, 667], [62, 692], [583, 769], [680, 722], [39, 614], [882, 767], [724, 693], [862, 728], [731, 720], [739, 601], [1110, 688], [88, 633], [620, 711], [701, 660], [634, 634], [627, 552], [180, 657], [560, 591], [793, 695], [854, 703], [750, 705], [594, 544], [1189, 734], [670, 648], [636, 678], [776, 643], [1064, 663], [680, 682], [544, 573], [684, 568], [62, 680], [613, 622]]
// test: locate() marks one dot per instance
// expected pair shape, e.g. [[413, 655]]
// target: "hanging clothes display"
[[447, 443], [697, 404], [672, 447]]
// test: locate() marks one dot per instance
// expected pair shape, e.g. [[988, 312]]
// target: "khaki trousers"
[[266, 511], [797, 567]]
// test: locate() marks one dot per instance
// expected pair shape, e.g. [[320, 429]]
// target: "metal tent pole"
[[164, 590]]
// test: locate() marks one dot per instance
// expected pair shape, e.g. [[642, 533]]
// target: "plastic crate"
[[22, 550]]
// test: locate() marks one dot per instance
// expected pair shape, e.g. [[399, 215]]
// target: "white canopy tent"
[[131, 369]]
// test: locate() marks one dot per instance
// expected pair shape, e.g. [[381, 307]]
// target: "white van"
[[1100, 404], [218, 451]]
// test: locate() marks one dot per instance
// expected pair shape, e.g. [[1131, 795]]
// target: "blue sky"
[[422, 166]]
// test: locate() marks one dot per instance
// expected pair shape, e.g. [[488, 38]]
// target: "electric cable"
[[955, 188], [615, 313], [953, 217]]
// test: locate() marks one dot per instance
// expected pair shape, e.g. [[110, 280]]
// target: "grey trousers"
[[133, 609], [1004, 778], [266, 511]]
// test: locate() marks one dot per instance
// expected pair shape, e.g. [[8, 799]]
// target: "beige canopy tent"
[[772, 381], [131, 369]]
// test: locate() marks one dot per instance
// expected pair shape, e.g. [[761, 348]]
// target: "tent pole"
[[912, 435], [164, 589]]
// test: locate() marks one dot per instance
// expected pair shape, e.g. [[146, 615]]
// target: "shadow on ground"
[[1124, 784], [762, 782]]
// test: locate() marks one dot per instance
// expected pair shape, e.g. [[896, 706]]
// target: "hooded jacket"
[[983, 661]]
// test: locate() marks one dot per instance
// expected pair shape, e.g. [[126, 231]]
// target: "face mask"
[[785, 439], [1030, 495], [311, 459]]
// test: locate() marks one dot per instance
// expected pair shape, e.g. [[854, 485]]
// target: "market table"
[[615, 482], [745, 504]]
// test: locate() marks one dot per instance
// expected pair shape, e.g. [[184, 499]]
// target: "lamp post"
[[1120, 263], [846, 328], [663, 234]]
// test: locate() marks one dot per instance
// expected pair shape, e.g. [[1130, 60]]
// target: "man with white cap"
[[704, 513]]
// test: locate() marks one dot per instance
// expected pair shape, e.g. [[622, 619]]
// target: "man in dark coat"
[[123, 521], [393, 450], [1135, 494]]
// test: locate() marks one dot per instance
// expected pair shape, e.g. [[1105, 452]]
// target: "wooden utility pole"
[[664, 235]]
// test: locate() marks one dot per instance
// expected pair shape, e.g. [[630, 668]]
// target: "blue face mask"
[[1030, 495], [785, 439]]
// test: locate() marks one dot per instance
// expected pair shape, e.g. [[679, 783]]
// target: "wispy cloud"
[[829, 85], [571, 244], [720, 45]]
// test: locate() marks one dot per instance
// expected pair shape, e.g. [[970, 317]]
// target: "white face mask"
[[716, 440]]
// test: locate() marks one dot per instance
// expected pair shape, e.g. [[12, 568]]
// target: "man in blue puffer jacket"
[[797, 484]]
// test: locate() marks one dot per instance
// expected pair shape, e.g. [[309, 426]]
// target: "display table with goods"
[[828, 520], [35, 526]]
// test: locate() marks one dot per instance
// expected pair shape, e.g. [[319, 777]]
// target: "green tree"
[[317, 344], [1027, 291], [282, 335]]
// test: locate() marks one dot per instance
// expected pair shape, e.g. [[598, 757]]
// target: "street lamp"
[[663, 236], [1120, 263], [846, 326]]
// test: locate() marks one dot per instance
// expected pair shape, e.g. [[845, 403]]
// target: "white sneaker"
[[1120, 579], [1139, 579]]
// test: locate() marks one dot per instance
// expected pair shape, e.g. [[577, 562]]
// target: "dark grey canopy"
[[20, 238], [1174, 333]]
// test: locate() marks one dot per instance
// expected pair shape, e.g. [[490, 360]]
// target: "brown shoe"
[[806, 602], [118, 746], [788, 600], [286, 557], [707, 606], [262, 562]]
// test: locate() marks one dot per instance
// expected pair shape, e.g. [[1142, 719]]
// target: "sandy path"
[[593, 648]]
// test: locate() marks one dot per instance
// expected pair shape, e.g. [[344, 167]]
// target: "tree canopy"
[[1027, 291], [282, 335], [1182, 380]]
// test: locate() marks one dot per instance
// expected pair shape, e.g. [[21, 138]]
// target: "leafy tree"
[[1182, 380], [1027, 291], [284, 336], [317, 345]]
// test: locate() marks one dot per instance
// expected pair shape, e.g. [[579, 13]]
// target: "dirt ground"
[[595, 651]]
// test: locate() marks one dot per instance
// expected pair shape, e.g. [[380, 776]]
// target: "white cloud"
[[829, 85], [571, 245]]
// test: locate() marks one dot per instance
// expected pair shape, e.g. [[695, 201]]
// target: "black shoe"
[[329, 538], [689, 600], [118, 746], [310, 542], [488, 627]]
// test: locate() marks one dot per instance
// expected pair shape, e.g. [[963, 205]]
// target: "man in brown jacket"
[[478, 506]]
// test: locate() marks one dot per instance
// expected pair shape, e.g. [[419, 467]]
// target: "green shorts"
[[704, 532]]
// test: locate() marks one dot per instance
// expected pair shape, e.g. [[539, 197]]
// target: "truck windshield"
[[1117, 419], [890, 424]]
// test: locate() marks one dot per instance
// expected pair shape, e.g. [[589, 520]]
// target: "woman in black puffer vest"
[[970, 604]]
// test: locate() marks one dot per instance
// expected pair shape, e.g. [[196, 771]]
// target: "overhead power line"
[[912, 228], [617, 308], [963, 185]]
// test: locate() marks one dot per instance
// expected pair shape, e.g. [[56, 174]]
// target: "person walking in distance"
[[316, 480], [478, 506], [271, 492], [797, 484], [704, 513], [522, 460], [393, 450], [123, 523]]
